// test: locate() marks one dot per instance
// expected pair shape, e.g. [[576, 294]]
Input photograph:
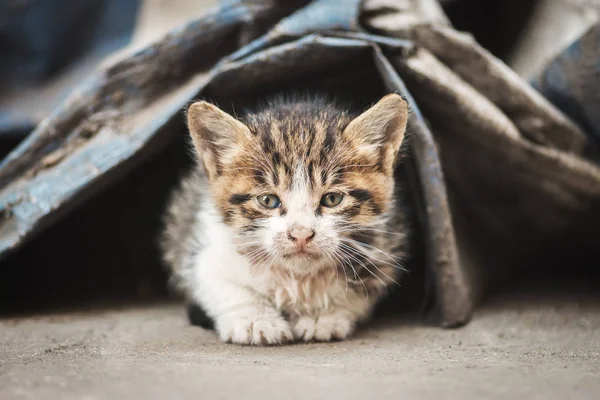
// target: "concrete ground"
[[534, 347]]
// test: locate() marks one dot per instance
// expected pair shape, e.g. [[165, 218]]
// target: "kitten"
[[292, 226]]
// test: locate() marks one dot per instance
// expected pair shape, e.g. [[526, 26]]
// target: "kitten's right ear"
[[216, 136]]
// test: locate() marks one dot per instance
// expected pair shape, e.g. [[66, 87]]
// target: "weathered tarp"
[[42, 44], [502, 179], [572, 81]]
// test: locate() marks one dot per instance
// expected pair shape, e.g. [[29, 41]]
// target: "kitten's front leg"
[[241, 315], [253, 324], [225, 290], [336, 323]]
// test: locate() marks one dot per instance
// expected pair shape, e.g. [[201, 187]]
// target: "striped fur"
[[230, 253]]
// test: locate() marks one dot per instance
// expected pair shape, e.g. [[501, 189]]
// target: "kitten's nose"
[[301, 235]]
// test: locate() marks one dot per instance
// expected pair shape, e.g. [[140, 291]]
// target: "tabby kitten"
[[291, 228]]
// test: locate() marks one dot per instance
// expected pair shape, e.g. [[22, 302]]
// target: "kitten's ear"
[[216, 136], [379, 131]]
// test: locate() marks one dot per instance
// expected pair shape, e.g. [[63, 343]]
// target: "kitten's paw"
[[335, 326], [259, 331]]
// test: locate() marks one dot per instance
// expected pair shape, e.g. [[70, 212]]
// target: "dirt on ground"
[[534, 347]]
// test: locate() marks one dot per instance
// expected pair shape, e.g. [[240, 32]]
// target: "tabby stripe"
[[239, 198], [364, 196], [361, 194]]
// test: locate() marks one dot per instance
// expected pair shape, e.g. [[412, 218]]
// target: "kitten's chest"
[[309, 295]]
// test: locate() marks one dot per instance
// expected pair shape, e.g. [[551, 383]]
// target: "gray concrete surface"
[[516, 347]]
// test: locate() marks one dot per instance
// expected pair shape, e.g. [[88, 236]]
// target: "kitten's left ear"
[[379, 131]]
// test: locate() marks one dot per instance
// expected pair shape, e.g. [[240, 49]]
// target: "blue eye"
[[331, 199], [269, 201]]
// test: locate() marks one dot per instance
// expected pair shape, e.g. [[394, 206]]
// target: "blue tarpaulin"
[[572, 81], [42, 40]]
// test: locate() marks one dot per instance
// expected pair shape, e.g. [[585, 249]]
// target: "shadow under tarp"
[[519, 187]]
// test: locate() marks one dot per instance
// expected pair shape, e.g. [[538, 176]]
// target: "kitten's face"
[[295, 182]]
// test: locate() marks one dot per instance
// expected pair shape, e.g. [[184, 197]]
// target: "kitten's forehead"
[[299, 128], [299, 142]]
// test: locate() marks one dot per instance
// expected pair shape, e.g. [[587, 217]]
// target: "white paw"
[[258, 331], [335, 326]]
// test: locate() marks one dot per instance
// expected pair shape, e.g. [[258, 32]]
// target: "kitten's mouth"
[[302, 254]]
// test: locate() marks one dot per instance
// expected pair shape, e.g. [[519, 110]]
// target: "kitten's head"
[[297, 180]]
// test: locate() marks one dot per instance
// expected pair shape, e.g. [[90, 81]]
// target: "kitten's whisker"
[[241, 240], [337, 273], [256, 262], [257, 257], [266, 258], [369, 246], [251, 253], [349, 227], [273, 257], [368, 270], [349, 262], [349, 255], [334, 254], [343, 269], [245, 235], [372, 263], [255, 243], [250, 256], [256, 249], [358, 230], [394, 263]]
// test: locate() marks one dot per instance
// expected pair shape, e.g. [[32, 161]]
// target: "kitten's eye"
[[269, 201], [332, 199]]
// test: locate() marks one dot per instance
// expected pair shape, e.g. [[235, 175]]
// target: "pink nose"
[[301, 235]]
